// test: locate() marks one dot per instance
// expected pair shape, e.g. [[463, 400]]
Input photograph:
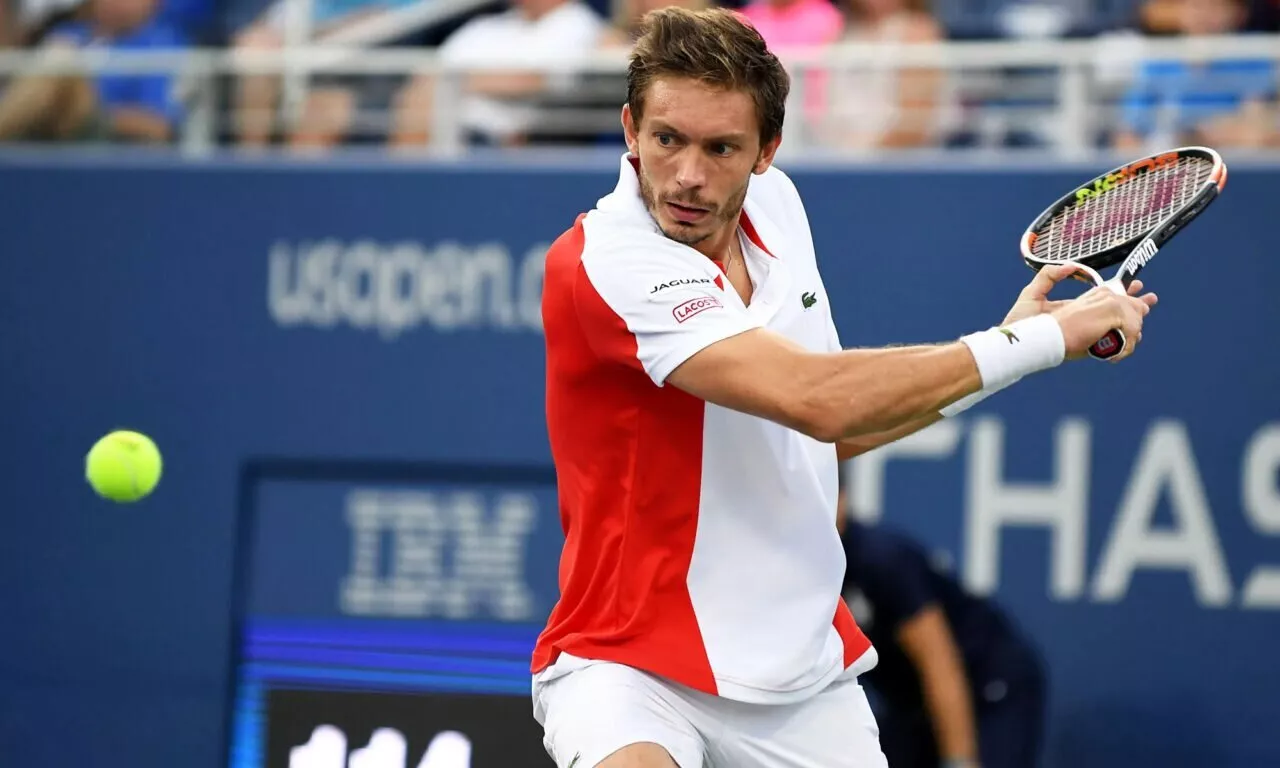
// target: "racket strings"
[[1121, 214]]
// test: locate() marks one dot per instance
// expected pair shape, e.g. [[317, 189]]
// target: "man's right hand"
[[1098, 311]]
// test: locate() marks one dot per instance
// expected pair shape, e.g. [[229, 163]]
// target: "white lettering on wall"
[[1163, 469], [387, 748], [1165, 462], [417, 554], [391, 288], [1261, 497], [1059, 505]]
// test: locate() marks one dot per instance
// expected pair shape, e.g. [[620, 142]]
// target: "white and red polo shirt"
[[700, 542]]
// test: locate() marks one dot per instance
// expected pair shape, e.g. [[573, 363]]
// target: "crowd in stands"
[[1224, 102]]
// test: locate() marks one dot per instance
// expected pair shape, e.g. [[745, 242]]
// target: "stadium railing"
[[1055, 98]]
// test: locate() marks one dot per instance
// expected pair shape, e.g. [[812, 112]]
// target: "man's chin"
[[683, 233]]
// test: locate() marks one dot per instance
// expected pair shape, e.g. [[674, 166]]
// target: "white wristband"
[[1006, 354]]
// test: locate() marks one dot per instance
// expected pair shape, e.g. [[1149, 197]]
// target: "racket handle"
[[1112, 344], [1108, 346]]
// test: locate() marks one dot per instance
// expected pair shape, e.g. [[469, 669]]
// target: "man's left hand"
[[1034, 299]]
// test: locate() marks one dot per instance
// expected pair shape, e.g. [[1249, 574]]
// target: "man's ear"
[[629, 131], [767, 153]]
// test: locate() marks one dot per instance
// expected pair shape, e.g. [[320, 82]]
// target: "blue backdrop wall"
[[1126, 514]]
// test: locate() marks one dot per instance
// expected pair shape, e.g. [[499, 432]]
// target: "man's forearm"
[[856, 446], [506, 84], [140, 124], [887, 392], [947, 698], [835, 396], [898, 390], [926, 639]]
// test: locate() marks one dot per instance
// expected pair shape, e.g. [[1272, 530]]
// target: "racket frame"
[[1134, 254]]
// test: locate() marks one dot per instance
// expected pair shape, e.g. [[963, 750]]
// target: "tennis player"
[[697, 402]]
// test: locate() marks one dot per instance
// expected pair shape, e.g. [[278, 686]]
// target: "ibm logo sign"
[[419, 554]]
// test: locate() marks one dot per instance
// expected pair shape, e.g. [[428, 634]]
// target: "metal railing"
[[1061, 93]]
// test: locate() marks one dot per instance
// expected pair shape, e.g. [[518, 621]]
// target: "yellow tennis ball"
[[123, 466]]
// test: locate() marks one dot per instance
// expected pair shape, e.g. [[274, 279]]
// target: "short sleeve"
[[467, 44], [654, 310], [573, 33]]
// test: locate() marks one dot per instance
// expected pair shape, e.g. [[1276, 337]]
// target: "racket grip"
[[1108, 346]]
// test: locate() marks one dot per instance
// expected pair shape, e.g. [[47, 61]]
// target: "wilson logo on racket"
[[1141, 255], [1118, 177]]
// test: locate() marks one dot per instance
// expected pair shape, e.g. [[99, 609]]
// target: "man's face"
[[1210, 17], [535, 9], [698, 146], [122, 15]]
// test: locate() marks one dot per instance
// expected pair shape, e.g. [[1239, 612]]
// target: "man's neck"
[[717, 247], [536, 10]]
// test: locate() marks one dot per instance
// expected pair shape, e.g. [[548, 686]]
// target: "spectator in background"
[[795, 24], [880, 105], [790, 26], [958, 685], [1265, 16], [497, 106], [330, 107], [1220, 103], [626, 24], [103, 108], [602, 92], [25, 23]]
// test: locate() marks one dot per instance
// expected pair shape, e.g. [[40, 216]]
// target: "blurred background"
[[300, 243]]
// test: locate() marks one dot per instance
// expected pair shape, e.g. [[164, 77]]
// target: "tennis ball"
[[123, 466]]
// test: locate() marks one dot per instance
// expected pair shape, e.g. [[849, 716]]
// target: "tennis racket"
[[1124, 217]]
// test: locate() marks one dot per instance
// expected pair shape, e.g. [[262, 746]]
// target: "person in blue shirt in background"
[[99, 108], [957, 685], [1220, 103]]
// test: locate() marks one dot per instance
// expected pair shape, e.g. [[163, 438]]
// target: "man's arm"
[[141, 123], [927, 641], [857, 393], [856, 446], [828, 396]]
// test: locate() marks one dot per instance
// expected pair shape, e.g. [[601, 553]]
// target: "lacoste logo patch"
[[688, 309]]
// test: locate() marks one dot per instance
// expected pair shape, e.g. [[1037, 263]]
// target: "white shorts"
[[592, 712]]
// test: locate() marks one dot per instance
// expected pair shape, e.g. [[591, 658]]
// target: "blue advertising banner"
[[435, 549], [251, 314]]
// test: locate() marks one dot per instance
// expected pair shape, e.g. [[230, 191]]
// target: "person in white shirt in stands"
[[531, 33], [698, 401]]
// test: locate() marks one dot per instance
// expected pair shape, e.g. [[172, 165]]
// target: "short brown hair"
[[716, 46]]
